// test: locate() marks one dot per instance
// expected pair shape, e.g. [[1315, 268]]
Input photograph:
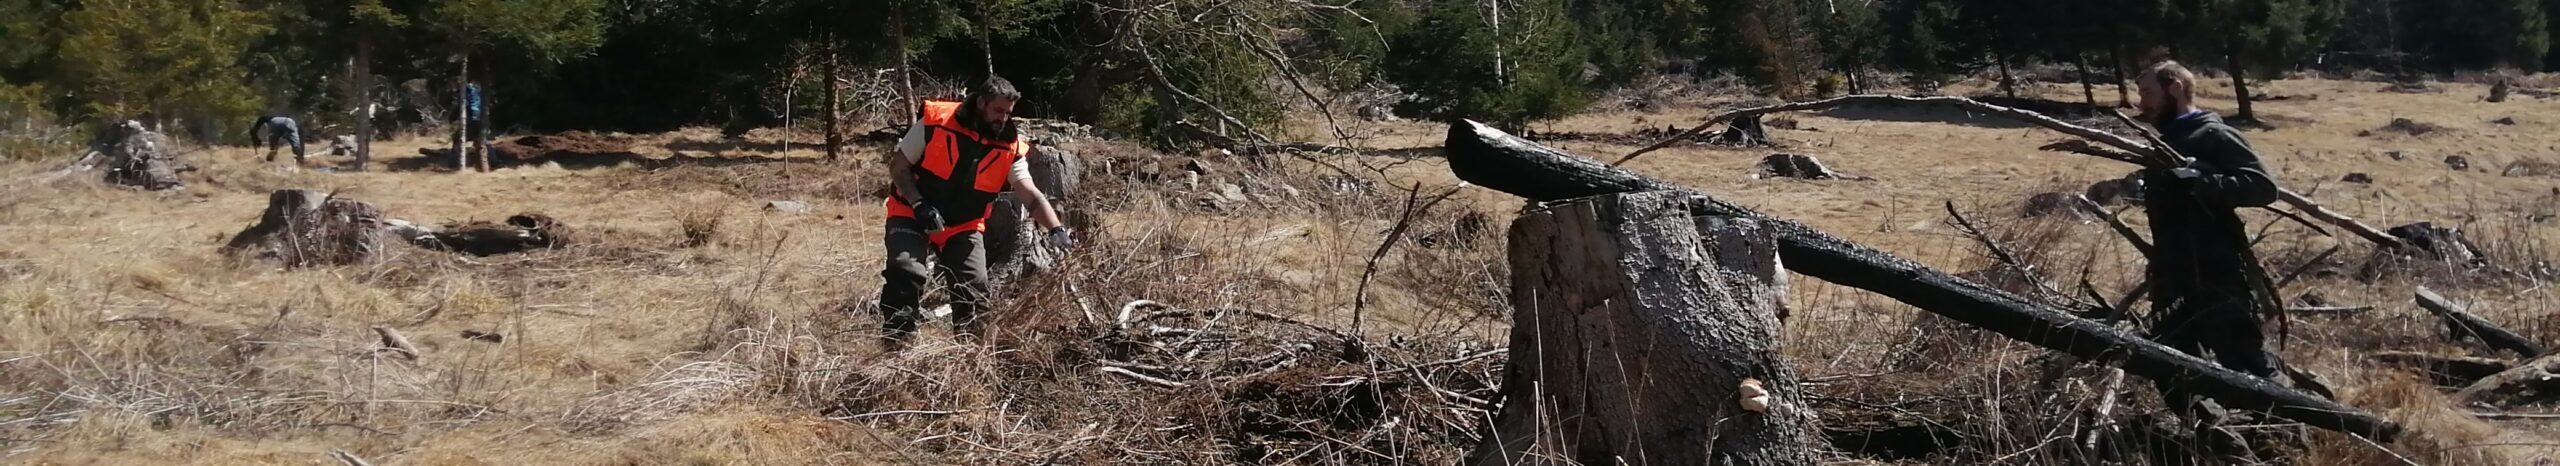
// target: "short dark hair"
[[995, 86]]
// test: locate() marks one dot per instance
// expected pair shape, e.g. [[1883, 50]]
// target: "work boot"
[[968, 320], [897, 328]]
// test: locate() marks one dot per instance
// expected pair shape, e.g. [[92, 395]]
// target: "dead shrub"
[[699, 225]]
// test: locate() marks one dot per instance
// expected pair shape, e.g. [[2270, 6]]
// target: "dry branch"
[[1488, 157], [2114, 223], [2462, 323], [392, 341], [2153, 154], [1958, 102], [1143, 378], [348, 459], [2002, 254]]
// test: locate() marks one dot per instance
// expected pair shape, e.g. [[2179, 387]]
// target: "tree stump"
[[140, 158], [302, 228], [1011, 234], [1637, 328]]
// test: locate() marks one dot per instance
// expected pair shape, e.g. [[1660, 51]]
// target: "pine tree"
[[160, 60], [1459, 62]]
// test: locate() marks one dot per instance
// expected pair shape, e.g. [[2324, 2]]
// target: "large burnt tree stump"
[[302, 228], [1637, 327]]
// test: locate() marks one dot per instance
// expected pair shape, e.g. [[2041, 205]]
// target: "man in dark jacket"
[[2205, 296], [280, 131]]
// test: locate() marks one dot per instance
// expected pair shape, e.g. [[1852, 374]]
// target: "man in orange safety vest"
[[951, 165]]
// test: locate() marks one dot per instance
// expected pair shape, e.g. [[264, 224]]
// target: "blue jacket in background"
[[471, 100]]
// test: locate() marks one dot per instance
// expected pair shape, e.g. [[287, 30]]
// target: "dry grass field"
[[126, 338]]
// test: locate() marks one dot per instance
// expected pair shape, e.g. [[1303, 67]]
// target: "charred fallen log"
[[1488, 157], [2462, 324]]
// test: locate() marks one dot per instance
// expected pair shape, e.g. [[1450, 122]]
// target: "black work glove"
[[927, 215], [1062, 237]]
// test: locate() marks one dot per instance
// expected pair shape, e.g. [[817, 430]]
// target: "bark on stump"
[[140, 158], [303, 228], [1637, 325]]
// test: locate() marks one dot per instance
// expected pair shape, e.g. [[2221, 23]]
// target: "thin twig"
[[1413, 206], [2306, 266], [2113, 223], [2386, 450], [2511, 416], [910, 412], [2002, 254], [1143, 378]]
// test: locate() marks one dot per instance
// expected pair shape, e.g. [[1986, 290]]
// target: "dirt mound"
[[534, 150], [2403, 126]]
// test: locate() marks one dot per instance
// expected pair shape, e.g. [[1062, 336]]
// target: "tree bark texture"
[[364, 99], [2536, 382], [1487, 157], [1636, 327]]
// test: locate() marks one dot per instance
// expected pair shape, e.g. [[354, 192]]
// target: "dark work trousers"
[[475, 131], [961, 262], [2221, 323]]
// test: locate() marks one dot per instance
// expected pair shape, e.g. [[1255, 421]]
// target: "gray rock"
[[787, 207]]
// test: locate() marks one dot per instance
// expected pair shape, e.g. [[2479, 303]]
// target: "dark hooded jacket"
[[2199, 269]]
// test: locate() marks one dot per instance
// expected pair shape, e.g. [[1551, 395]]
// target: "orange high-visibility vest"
[[960, 171]]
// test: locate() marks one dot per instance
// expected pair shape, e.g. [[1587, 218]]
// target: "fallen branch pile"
[[1151, 383]]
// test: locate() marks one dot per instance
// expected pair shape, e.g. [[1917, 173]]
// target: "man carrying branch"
[[950, 166], [2205, 293]]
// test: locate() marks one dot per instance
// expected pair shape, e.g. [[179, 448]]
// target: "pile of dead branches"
[[1154, 384]]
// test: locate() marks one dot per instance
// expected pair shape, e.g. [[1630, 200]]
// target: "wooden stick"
[[2153, 154], [2002, 254], [348, 459], [2464, 323], [1143, 378], [2092, 208], [2037, 119], [899, 413], [391, 340], [2511, 416], [2305, 267]]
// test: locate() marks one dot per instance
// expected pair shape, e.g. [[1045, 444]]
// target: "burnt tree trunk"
[[364, 99], [835, 107], [1490, 158], [2463, 324], [2240, 83], [2088, 90], [2115, 63], [1637, 327]]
